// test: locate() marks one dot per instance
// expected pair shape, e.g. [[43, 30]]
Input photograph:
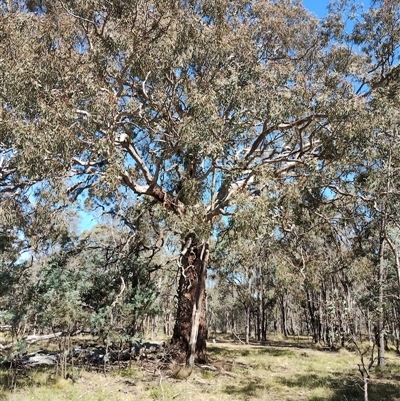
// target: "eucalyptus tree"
[[186, 103], [368, 176], [374, 192], [238, 271]]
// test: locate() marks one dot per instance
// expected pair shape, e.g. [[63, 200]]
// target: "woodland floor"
[[285, 370]]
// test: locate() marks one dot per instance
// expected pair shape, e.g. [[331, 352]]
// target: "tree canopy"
[[250, 123], [184, 102]]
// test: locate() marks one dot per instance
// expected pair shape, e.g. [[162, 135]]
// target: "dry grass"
[[279, 370]]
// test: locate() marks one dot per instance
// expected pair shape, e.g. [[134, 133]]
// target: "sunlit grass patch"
[[391, 367], [320, 394], [235, 372], [160, 391]]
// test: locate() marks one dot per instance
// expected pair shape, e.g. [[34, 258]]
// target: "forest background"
[[249, 146]]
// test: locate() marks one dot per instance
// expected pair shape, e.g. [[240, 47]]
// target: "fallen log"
[[93, 354], [31, 339], [40, 360]]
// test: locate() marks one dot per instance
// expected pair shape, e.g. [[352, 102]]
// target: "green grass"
[[281, 370]]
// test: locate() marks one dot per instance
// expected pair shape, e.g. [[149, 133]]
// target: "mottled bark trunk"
[[190, 330]]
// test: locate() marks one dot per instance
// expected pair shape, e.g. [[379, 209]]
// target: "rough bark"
[[192, 303], [199, 307]]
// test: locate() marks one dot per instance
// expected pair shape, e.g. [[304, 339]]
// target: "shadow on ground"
[[216, 350], [245, 390], [345, 387], [290, 342]]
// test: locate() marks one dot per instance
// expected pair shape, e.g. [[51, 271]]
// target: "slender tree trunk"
[[264, 322], [380, 329], [396, 328], [322, 317], [190, 330], [263, 309], [167, 324], [366, 389], [247, 309], [284, 315], [314, 321], [368, 323]]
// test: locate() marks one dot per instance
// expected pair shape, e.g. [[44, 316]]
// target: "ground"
[[279, 370]]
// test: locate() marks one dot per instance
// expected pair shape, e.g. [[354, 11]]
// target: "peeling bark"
[[190, 331]]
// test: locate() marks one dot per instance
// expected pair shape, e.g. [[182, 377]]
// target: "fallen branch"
[[235, 334]]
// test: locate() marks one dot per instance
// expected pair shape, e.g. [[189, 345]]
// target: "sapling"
[[367, 360]]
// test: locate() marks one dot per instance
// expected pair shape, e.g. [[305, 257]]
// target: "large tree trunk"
[[190, 331]]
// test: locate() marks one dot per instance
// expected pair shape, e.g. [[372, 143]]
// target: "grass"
[[280, 370]]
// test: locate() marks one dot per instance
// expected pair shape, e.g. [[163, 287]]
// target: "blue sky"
[[318, 7]]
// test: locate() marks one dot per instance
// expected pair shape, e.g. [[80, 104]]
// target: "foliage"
[[75, 289], [254, 123]]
